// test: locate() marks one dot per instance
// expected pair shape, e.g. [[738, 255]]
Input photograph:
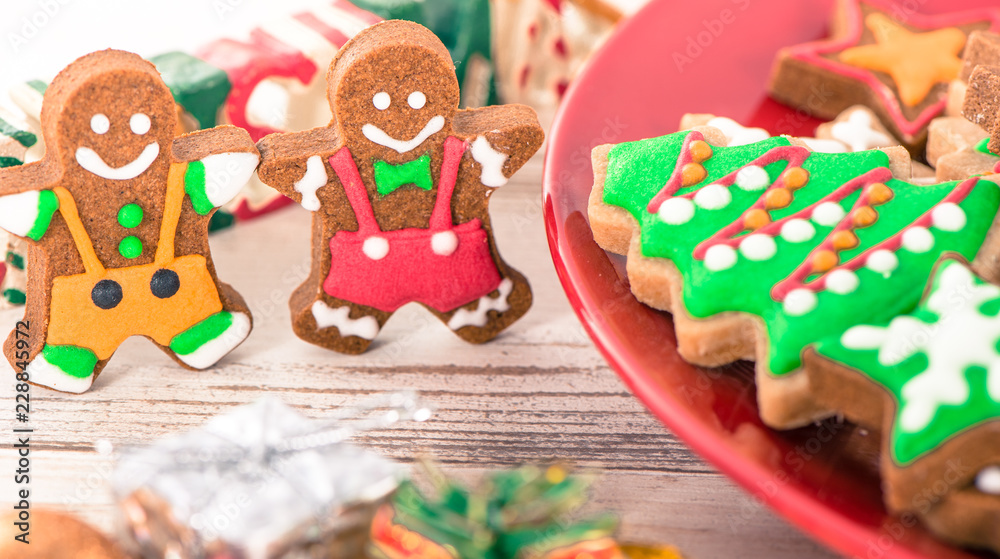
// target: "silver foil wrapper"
[[261, 482]]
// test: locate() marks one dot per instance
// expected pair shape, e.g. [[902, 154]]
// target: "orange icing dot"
[[864, 216], [756, 218], [843, 240], [824, 261], [777, 198], [879, 193], [700, 150], [692, 174], [795, 177]]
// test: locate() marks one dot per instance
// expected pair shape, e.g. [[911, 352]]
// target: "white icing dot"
[[443, 243], [988, 480], [381, 100], [713, 197], [842, 281], [417, 100], [375, 248], [720, 257], [800, 302], [100, 124], [828, 214], [797, 231], [918, 239], [758, 247], [139, 123], [752, 177], [948, 217], [676, 211], [882, 261]]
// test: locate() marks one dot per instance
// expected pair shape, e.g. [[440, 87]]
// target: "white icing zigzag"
[[478, 317], [365, 327], [314, 179], [492, 162]]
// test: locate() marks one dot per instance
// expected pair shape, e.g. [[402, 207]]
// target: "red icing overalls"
[[444, 267]]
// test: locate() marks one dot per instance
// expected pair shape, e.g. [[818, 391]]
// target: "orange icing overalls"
[[101, 308]]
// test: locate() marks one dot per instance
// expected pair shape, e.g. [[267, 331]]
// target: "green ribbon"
[[389, 177]]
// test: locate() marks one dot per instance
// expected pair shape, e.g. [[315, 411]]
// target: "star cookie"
[[899, 69]]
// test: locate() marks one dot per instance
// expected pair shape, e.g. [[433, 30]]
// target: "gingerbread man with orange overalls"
[[117, 214], [399, 184]]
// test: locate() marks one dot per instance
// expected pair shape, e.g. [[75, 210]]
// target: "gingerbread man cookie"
[[399, 184], [117, 214]]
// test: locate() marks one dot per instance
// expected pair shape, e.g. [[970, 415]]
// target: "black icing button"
[[165, 283], [106, 294]]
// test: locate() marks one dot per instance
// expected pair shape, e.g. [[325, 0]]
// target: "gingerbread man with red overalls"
[[117, 218], [399, 184]]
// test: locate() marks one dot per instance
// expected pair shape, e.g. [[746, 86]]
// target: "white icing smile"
[[91, 161], [375, 134]]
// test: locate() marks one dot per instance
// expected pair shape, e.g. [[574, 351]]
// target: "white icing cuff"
[[18, 212], [210, 352], [492, 162], [43, 373], [226, 174]]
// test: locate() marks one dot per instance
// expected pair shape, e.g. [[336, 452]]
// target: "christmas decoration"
[[262, 482]]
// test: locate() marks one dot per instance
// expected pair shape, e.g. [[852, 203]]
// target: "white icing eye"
[[139, 123], [381, 100], [417, 100], [100, 124]]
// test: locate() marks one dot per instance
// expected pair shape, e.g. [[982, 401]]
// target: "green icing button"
[[130, 216], [130, 247]]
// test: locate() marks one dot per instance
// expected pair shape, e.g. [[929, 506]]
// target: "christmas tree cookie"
[[762, 250], [930, 380], [901, 68]]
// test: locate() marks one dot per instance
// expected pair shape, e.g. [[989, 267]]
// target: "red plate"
[[710, 56]]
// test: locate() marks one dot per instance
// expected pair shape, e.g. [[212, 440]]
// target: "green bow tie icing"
[[389, 177], [941, 363], [811, 243]]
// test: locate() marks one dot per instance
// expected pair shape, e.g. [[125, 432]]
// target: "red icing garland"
[[674, 182], [798, 277], [794, 155]]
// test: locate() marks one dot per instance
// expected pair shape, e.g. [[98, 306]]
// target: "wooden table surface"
[[538, 392]]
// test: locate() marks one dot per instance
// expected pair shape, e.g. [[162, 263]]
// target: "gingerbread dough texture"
[[117, 218], [398, 184]]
